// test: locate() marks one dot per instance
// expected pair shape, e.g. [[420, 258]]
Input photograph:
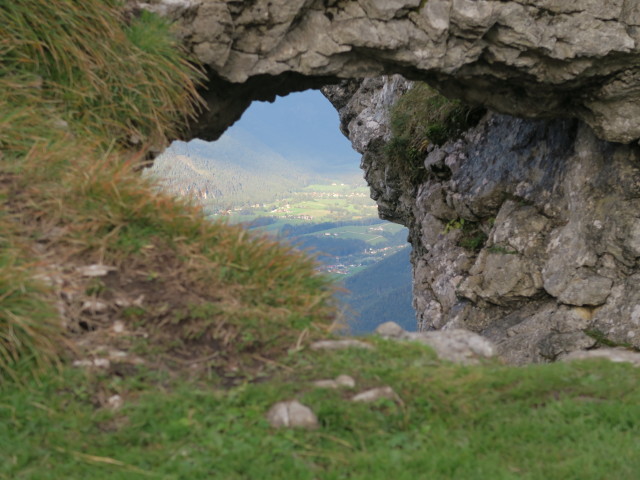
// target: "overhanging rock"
[[528, 58]]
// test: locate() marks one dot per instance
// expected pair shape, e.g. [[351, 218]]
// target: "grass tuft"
[[423, 117], [78, 63], [30, 332]]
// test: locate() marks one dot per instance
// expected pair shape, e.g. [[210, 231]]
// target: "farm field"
[[338, 223], [371, 234]]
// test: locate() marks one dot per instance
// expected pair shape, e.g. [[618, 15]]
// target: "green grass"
[[472, 237], [561, 421], [423, 117]]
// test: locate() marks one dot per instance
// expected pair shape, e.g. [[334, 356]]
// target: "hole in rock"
[[286, 169]]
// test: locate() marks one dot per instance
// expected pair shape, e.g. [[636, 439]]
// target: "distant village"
[[375, 254]]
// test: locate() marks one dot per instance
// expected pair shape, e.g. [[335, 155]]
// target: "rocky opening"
[[554, 199]]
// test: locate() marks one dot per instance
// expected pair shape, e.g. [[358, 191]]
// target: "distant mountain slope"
[[236, 170], [381, 293], [303, 126]]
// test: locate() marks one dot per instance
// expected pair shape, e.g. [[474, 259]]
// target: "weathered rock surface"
[[339, 344], [374, 394], [558, 208], [341, 381], [612, 354], [456, 345], [291, 414], [555, 202], [528, 58]]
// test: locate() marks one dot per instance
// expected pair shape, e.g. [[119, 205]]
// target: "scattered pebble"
[[325, 384], [339, 344], [102, 362], [345, 381], [92, 363], [291, 414], [95, 270], [51, 279], [117, 354], [374, 394], [340, 381], [115, 402], [94, 307], [124, 302]]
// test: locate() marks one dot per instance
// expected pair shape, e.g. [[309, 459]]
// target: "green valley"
[[240, 179], [338, 223]]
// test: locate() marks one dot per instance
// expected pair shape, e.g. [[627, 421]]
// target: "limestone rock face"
[[455, 345], [364, 114], [557, 207], [531, 58]]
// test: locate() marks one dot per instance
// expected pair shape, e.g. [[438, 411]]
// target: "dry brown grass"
[[68, 110]]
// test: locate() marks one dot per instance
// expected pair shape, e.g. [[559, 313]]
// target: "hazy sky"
[[302, 124]]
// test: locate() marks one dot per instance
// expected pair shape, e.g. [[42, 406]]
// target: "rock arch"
[[554, 183], [528, 58]]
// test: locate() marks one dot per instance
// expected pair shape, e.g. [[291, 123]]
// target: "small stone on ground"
[[339, 344], [115, 402], [345, 381], [613, 354], [94, 307], [374, 394], [456, 345], [95, 270], [340, 381], [95, 363], [390, 330], [291, 414]]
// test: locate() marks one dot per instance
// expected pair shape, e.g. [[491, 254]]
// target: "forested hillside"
[[240, 170], [381, 293], [236, 170]]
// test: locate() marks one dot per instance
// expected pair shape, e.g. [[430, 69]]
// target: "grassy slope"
[[382, 293], [577, 421], [210, 296]]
